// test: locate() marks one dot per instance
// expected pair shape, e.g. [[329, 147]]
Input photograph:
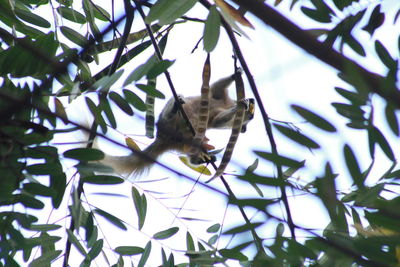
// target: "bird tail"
[[138, 162]]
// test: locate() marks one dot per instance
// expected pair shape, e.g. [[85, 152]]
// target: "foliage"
[[46, 59]]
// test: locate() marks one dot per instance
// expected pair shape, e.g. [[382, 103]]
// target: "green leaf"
[[384, 55], [45, 259], [211, 29], [277, 159], [105, 106], [102, 179], [72, 238], [128, 250], [167, 11], [349, 111], [316, 15], [71, 14], [391, 119], [214, 228], [369, 196], [158, 68], [166, 233], [38, 189], [121, 103], [258, 203], [96, 112], [145, 255], [291, 170], [297, 136], [44, 227], [213, 240], [250, 170], [189, 242], [40, 152], [151, 90], [133, 99], [264, 180], [353, 166], [233, 254], [355, 45], [84, 154], [100, 13], [32, 18], [140, 203], [96, 249], [106, 82], [376, 136], [141, 70], [314, 119], [93, 167], [243, 228], [58, 183], [327, 191], [111, 218], [355, 98], [44, 169], [73, 36]]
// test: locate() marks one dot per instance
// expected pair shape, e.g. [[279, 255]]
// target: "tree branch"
[[320, 50], [129, 12]]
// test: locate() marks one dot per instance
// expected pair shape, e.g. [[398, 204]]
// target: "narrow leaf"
[[84, 154], [277, 159], [121, 103], [145, 255], [72, 238], [71, 14], [353, 166], [211, 29], [102, 179], [73, 36], [378, 137], [140, 206], [189, 242], [111, 218], [384, 55], [297, 136], [32, 18], [214, 228], [158, 68], [151, 90], [314, 119], [106, 82], [44, 227], [134, 100], [167, 11], [166, 233], [128, 250], [45, 259]]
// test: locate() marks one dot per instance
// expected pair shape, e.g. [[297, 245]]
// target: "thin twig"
[[129, 11], [267, 124]]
